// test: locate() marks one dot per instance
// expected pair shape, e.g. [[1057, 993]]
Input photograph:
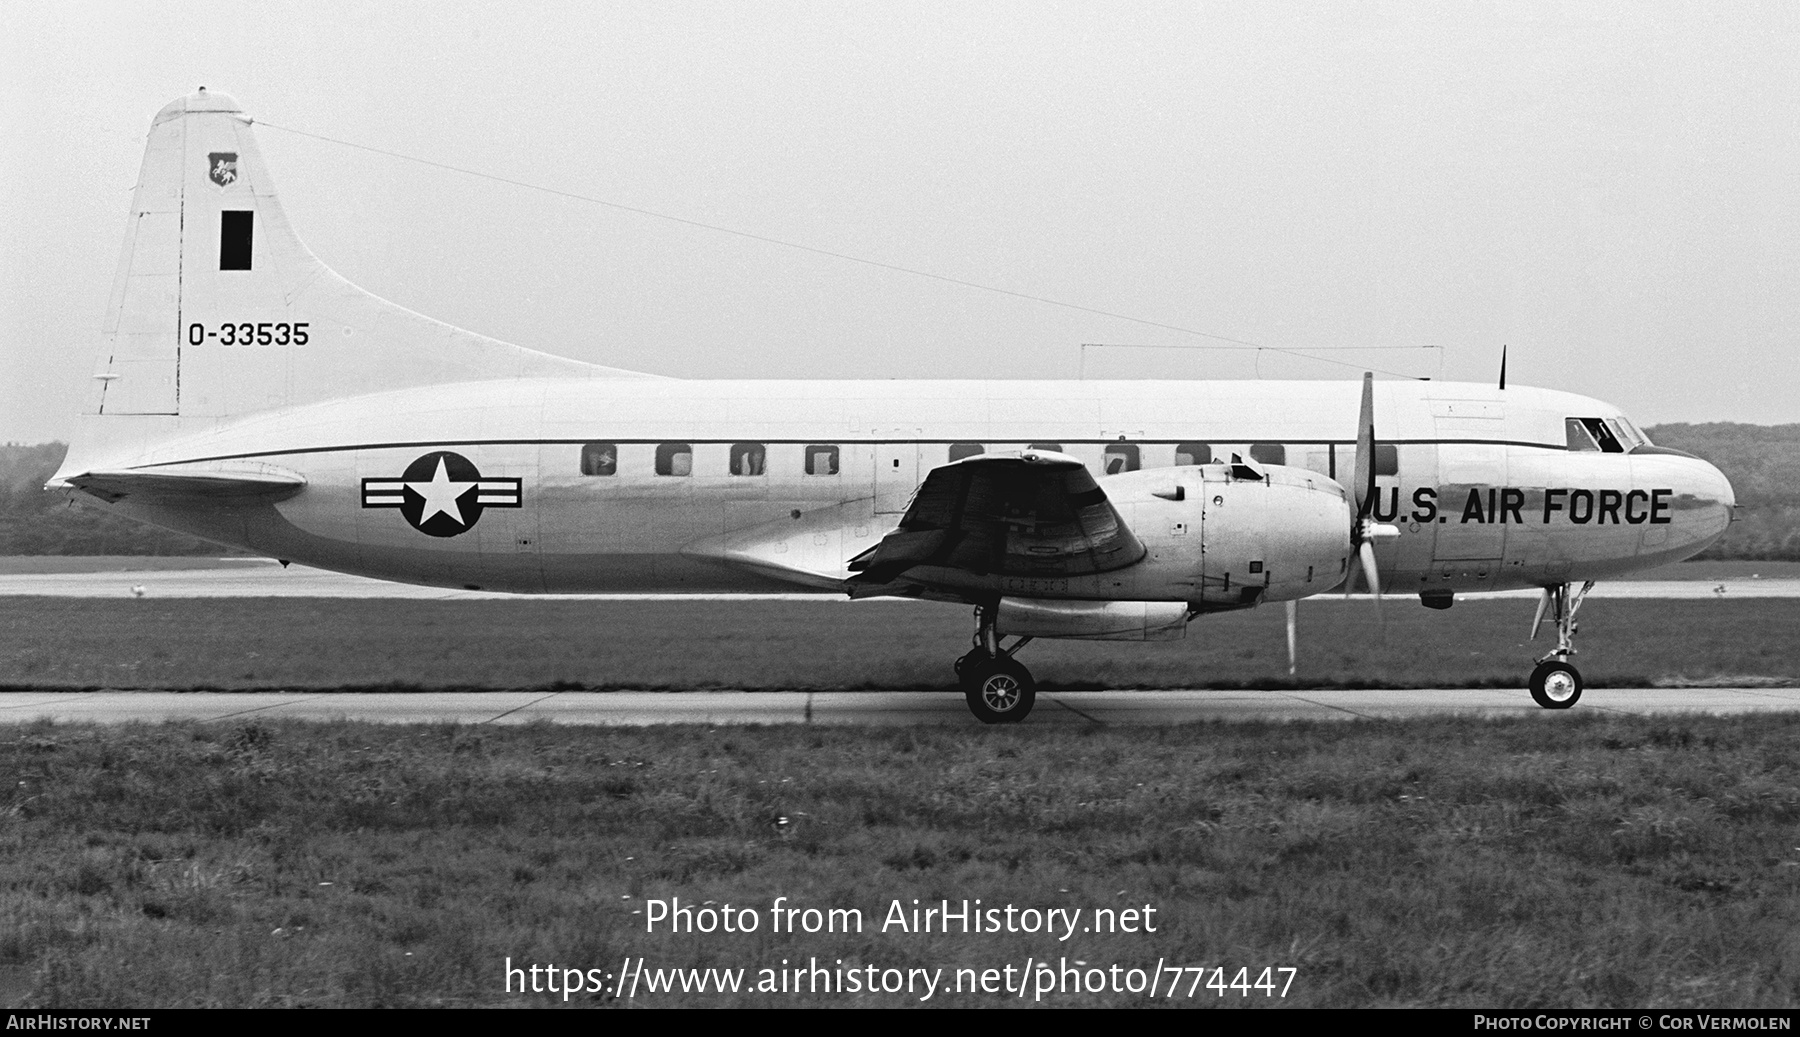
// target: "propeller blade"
[[1363, 483], [1538, 620], [1367, 551], [1293, 620]]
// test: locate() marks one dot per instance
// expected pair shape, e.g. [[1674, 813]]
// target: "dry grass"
[[1594, 861]]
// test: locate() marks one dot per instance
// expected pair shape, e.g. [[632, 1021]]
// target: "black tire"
[[999, 691], [1555, 685], [964, 674]]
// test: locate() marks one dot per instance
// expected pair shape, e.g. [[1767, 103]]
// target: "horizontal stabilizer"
[[259, 483]]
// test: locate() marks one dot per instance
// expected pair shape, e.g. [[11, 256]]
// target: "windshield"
[[1604, 435], [1629, 432], [1591, 434]]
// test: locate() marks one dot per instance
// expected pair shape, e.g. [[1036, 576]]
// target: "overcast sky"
[[1610, 190]]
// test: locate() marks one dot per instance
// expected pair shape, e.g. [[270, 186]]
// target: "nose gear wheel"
[[1556, 683]]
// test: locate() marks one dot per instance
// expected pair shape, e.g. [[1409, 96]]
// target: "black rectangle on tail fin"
[[236, 228]]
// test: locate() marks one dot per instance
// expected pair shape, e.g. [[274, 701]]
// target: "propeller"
[[1364, 530], [1293, 621]]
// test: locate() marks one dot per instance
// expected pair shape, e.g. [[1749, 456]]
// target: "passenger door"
[[896, 476]]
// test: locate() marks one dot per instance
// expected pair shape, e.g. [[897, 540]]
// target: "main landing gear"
[[1556, 684], [997, 688]]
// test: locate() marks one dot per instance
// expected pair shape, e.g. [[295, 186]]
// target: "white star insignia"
[[440, 495]]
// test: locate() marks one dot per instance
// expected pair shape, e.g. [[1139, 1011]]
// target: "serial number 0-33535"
[[247, 334]]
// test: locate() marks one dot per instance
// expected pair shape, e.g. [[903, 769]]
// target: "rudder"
[[220, 310]]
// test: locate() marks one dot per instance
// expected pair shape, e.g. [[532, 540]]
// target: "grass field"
[[1593, 861], [1720, 570], [262, 644]]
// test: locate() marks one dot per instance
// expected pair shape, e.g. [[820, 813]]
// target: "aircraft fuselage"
[[594, 485]]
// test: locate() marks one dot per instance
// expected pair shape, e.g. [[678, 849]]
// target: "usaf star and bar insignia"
[[441, 494]]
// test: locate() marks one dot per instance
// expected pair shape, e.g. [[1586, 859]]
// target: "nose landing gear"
[[1556, 683], [997, 688]]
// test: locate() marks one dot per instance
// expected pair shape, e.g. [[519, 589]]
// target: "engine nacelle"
[[1270, 533]]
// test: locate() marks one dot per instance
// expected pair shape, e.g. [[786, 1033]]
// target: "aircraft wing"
[[1033, 514], [214, 483]]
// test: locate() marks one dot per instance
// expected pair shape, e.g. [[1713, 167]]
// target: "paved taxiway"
[[264, 578], [631, 709]]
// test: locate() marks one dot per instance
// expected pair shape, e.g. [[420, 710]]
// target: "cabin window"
[[821, 460], [1193, 453], [674, 459], [1268, 453], [1120, 457], [748, 458], [600, 459], [1055, 448], [958, 451], [1387, 459]]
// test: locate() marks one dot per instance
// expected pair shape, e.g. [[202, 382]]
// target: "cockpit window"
[[1628, 433], [1592, 434]]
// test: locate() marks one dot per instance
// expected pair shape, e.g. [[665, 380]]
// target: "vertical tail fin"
[[219, 310]]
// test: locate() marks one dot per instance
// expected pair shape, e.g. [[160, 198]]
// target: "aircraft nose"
[[1692, 503], [1704, 498], [1707, 483], [1726, 495]]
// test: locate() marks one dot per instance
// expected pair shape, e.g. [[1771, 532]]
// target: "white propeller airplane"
[[247, 394]]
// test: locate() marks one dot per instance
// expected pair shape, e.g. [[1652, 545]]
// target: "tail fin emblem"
[[441, 494], [224, 168]]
